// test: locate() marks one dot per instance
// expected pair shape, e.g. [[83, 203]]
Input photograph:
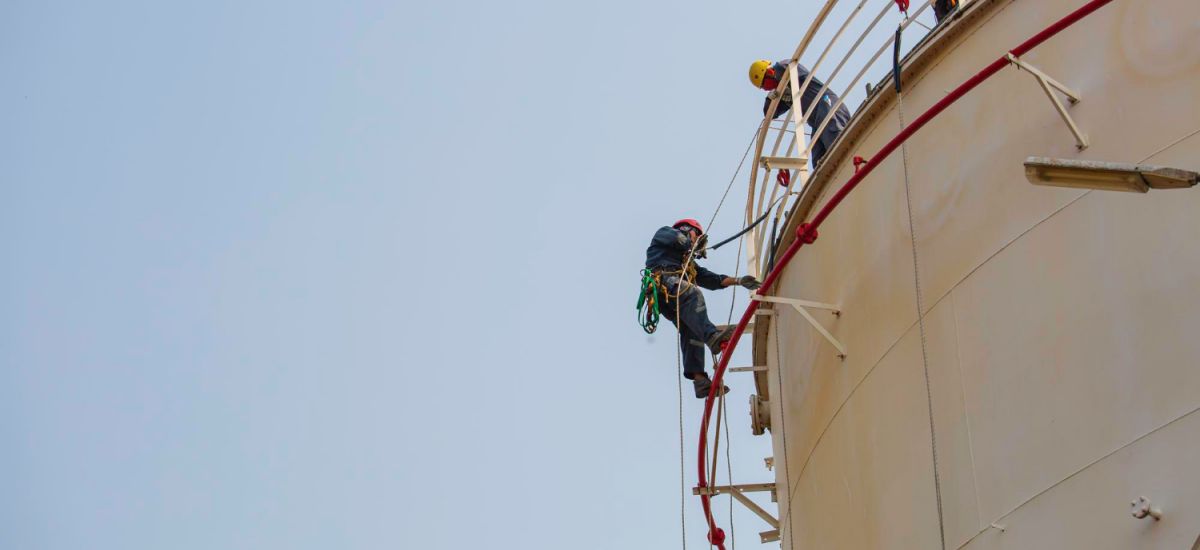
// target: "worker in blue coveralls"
[[767, 76], [943, 8], [666, 256]]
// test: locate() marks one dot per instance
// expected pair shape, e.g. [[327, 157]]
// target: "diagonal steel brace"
[[738, 493], [801, 306], [1048, 85]]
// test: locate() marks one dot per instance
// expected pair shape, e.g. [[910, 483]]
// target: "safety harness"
[[648, 300], [654, 293]]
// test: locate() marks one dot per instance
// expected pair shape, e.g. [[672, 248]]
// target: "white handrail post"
[[833, 111]]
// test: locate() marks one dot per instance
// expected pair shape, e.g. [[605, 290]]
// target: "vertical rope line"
[[783, 426], [683, 483], [679, 362], [679, 365], [712, 472], [753, 138], [937, 484], [737, 270], [729, 479], [682, 465]]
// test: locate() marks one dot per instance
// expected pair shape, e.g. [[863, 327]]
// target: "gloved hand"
[[749, 282]]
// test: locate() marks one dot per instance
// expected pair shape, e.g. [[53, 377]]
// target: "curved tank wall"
[[1042, 343]]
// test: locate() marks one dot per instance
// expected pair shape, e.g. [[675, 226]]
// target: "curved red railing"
[[807, 232]]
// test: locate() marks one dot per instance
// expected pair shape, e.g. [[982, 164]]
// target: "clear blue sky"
[[358, 274]]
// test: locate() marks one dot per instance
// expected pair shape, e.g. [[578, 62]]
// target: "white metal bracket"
[[1049, 85], [801, 307], [755, 368], [749, 328], [784, 163], [723, 489], [738, 493]]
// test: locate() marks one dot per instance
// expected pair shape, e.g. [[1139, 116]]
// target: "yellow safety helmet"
[[758, 70]]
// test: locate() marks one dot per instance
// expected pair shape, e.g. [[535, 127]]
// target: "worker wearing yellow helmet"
[[767, 76]]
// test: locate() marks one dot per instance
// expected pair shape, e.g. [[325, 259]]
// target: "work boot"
[[703, 385], [718, 338]]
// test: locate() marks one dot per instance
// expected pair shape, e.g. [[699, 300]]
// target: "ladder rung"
[[749, 328], [784, 163]]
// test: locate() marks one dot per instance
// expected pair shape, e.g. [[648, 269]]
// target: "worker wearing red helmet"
[[671, 256]]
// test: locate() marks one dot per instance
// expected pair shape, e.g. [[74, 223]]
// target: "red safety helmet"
[[690, 223]]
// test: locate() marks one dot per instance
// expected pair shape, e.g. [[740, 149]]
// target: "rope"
[[732, 303], [753, 138], [912, 232], [644, 314], [729, 442], [719, 388], [729, 478], [686, 275], [682, 451], [721, 417], [684, 272], [717, 440], [783, 431]]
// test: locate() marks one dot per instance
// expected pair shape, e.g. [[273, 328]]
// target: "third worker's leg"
[[832, 130], [696, 332], [692, 348], [693, 362]]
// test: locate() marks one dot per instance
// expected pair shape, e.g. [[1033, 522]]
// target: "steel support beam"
[[784, 163], [801, 306], [758, 511], [1049, 85], [738, 492], [723, 489], [756, 368], [749, 328]]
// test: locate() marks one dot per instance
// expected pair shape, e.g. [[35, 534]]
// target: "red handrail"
[[807, 232]]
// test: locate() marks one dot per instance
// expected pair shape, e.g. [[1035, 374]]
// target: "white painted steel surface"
[[1060, 328]]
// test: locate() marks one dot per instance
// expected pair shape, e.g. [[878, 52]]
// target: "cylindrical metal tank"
[[1022, 362]]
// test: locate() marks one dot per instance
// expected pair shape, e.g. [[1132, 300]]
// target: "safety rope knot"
[[806, 233], [716, 536]]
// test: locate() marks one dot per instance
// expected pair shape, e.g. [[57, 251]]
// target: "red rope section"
[[807, 232]]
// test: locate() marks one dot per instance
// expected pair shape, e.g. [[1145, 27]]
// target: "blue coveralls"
[[942, 8], [666, 252], [835, 126]]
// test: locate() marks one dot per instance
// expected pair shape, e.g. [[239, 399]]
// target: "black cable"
[[774, 246], [743, 231], [896, 58]]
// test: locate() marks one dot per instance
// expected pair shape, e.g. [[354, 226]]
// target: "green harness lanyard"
[[648, 300]]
